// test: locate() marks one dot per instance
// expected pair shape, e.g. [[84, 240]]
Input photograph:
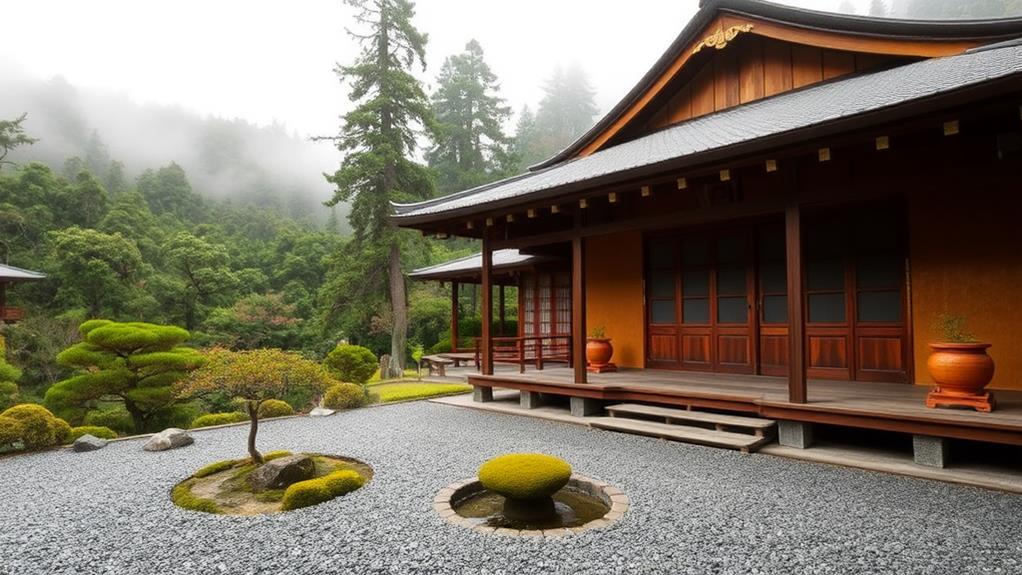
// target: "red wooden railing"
[[522, 351], [11, 314]]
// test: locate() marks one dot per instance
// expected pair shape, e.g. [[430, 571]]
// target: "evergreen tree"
[[470, 147], [136, 364], [12, 135], [88, 201], [877, 8], [378, 138], [566, 111]]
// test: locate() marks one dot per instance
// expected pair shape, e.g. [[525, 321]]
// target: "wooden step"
[[741, 441], [722, 422]]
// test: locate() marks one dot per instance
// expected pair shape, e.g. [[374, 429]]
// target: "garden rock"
[[321, 412], [170, 438], [283, 471], [88, 443]]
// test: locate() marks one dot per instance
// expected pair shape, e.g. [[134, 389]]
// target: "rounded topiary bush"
[[211, 419], [93, 430], [275, 408], [352, 363], [525, 475], [11, 431], [316, 491], [40, 428], [343, 396]]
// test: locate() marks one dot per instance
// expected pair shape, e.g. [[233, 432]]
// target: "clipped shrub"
[[351, 363], [117, 419], [316, 491], [182, 496], [344, 396], [40, 428], [211, 419], [275, 408], [11, 431], [93, 430], [525, 475], [214, 468], [442, 346], [275, 455]]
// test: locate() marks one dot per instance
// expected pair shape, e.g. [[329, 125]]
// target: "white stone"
[[170, 438], [321, 412]]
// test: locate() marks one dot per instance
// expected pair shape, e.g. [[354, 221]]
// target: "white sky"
[[272, 60]]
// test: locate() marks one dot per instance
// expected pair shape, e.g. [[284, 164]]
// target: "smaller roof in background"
[[13, 274], [468, 266]]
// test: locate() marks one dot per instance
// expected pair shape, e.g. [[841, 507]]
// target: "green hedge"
[[39, 427], [211, 419]]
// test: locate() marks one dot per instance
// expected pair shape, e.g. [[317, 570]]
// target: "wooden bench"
[[437, 365]]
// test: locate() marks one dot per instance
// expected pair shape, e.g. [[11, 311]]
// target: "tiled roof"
[[502, 259], [687, 143], [11, 273]]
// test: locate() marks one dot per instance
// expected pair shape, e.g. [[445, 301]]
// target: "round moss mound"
[[343, 396], [525, 475], [36, 427], [93, 430], [212, 419], [223, 487], [275, 408]]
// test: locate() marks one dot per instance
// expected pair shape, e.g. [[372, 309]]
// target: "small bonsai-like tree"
[[417, 358], [351, 363], [134, 363], [254, 376]]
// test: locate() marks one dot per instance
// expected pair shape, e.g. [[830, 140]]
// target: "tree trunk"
[[253, 415], [399, 309], [138, 418]]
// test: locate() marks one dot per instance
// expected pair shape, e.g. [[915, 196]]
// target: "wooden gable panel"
[[751, 68]]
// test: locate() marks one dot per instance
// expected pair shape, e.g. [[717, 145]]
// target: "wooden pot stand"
[[937, 397], [601, 368]]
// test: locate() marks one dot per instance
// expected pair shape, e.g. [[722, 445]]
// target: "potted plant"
[[599, 351], [960, 366]]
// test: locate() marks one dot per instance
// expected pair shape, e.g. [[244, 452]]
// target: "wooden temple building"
[[10, 275], [768, 224]]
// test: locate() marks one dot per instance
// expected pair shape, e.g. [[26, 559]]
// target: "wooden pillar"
[[454, 315], [578, 308], [797, 391], [500, 309], [487, 306]]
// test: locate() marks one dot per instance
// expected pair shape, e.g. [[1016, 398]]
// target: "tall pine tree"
[[566, 111], [470, 147], [378, 139]]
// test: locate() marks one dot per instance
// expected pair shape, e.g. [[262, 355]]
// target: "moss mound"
[[525, 475], [223, 487], [93, 430], [211, 419], [39, 427], [275, 408], [344, 396]]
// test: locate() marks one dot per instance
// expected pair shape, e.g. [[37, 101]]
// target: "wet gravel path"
[[694, 509]]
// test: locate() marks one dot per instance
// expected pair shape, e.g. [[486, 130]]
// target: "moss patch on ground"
[[223, 487], [391, 392]]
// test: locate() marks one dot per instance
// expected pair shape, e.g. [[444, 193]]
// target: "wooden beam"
[[454, 316], [578, 307], [487, 306], [797, 392]]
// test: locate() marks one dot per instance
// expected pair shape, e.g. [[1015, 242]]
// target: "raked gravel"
[[694, 509]]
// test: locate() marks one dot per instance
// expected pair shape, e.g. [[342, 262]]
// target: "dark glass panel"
[[826, 275], [731, 281], [696, 311], [771, 246], [774, 278], [878, 272], [695, 252], [878, 231], [662, 255], [775, 309], [696, 282], [826, 241], [662, 283], [732, 310], [662, 312], [731, 250], [882, 306], [827, 308]]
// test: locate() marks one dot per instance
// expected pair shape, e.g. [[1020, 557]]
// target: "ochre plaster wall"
[[614, 293], [966, 258]]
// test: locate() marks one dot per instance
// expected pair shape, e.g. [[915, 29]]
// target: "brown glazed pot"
[[599, 351], [960, 368]]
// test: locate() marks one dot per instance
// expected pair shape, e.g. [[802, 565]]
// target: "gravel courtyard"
[[694, 509]]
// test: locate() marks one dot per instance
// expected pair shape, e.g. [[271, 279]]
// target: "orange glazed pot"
[[599, 351], [962, 369]]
